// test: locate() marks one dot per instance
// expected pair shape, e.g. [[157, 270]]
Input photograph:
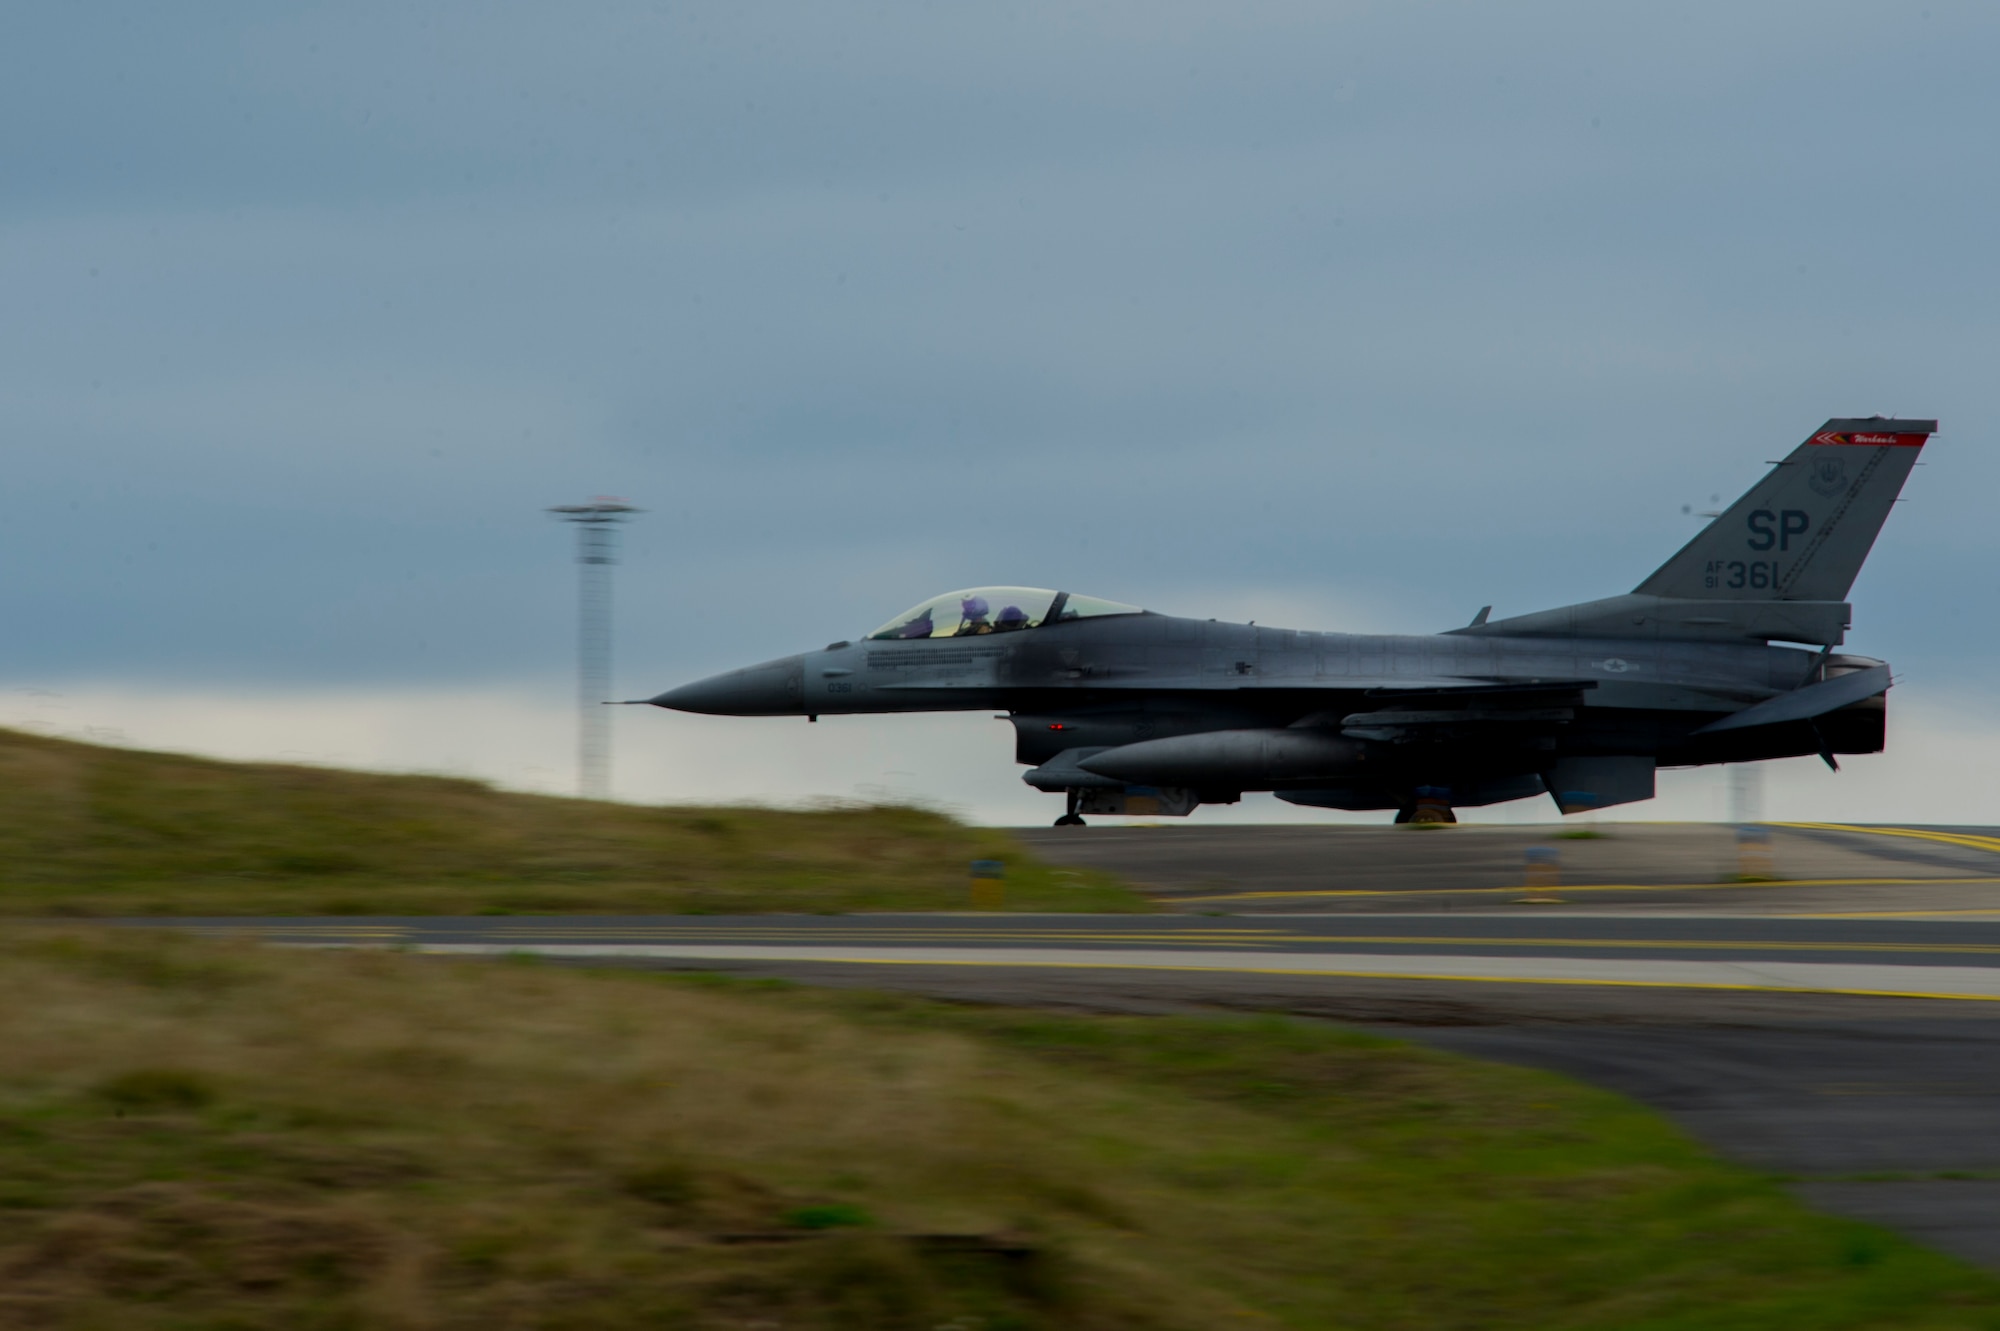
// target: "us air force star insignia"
[[1615, 666], [1827, 475]]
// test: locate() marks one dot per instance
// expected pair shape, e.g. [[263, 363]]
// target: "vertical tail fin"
[[1802, 532]]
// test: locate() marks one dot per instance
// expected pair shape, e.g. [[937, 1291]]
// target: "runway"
[[1837, 1026]]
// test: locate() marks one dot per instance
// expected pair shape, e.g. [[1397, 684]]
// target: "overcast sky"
[[1335, 316]]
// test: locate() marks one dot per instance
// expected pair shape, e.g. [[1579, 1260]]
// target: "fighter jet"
[[1126, 712]]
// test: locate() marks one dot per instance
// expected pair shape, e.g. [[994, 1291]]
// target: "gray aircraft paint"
[[1144, 712]]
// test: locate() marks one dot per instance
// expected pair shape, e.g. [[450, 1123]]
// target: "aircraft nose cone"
[[775, 688]]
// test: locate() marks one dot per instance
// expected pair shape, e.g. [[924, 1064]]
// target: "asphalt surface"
[[1890, 1119], [1883, 1109], [1840, 1027], [1696, 867]]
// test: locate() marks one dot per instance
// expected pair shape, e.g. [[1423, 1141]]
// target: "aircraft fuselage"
[[1484, 717]]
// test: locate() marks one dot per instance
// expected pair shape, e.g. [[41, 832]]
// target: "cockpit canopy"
[[980, 610]]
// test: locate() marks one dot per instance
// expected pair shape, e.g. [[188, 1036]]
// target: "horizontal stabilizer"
[[1829, 695]]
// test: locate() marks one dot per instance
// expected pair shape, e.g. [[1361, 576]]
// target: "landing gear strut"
[[1070, 818], [1429, 807]]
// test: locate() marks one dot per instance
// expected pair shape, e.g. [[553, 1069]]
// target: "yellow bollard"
[[1753, 855], [989, 885], [1544, 874]]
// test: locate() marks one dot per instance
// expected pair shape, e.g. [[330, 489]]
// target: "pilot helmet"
[[1012, 616], [973, 607]]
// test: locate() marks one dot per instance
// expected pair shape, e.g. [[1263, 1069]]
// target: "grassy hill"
[[199, 1134], [90, 830]]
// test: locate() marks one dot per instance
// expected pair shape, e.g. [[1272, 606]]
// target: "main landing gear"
[[1070, 818], [1431, 809]]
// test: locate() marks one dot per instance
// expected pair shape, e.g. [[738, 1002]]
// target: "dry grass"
[[196, 1134], [89, 830]]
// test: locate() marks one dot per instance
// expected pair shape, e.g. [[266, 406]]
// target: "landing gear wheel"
[[1070, 817], [1070, 820], [1431, 815]]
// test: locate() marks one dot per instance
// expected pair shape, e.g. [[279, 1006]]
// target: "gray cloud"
[[1413, 308]]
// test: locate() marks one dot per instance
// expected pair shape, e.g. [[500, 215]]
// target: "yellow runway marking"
[[1967, 839], [1692, 944], [1010, 935], [1942, 912], [836, 938], [1264, 939], [1404, 975], [1696, 944], [839, 937], [1336, 966], [304, 927], [1517, 889]]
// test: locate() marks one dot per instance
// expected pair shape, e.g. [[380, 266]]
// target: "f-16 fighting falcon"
[[1124, 711]]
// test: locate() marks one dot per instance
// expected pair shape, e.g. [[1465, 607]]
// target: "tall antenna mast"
[[596, 551]]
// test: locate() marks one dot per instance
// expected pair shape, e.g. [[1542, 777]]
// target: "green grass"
[[205, 1135], [89, 830]]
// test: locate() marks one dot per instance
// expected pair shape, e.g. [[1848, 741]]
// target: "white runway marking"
[[1971, 982]]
